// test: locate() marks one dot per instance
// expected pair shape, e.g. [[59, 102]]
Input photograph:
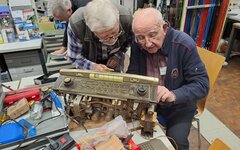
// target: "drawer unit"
[[52, 42], [5, 77], [21, 72], [21, 59]]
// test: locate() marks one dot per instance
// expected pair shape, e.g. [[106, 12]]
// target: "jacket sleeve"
[[65, 37], [137, 63], [196, 82], [74, 52]]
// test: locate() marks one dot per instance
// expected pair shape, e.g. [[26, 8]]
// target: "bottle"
[[36, 111]]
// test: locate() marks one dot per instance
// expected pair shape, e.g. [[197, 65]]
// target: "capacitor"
[[109, 115], [95, 115]]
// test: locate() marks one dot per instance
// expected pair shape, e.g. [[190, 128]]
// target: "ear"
[[165, 27], [69, 11]]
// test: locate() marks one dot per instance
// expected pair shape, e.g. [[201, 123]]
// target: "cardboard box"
[[111, 144], [18, 108]]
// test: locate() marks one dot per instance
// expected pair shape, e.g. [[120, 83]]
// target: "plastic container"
[[36, 111]]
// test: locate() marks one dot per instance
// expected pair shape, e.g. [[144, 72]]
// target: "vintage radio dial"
[[68, 81], [141, 90]]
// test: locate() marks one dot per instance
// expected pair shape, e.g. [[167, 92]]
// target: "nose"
[[112, 41], [148, 42]]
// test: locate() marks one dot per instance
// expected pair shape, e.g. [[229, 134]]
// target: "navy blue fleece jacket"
[[186, 75]]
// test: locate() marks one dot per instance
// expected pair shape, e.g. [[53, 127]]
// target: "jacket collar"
[[167, 41]]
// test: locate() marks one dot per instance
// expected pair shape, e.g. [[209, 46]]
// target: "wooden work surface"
[[89, 124]]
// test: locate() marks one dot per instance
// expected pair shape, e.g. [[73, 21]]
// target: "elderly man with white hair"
[[99, 35], [171, 56], [62, 11]]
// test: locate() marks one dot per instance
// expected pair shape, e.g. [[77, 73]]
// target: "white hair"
[[101, 15], [156, 13], [159, 16], [59, 5]]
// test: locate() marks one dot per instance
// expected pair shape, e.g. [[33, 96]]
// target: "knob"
[[67, 81], [141, 90], [44, 89]]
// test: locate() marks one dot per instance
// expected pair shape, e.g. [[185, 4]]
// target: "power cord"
[[75, 121], [50, 117], [28, 147], [53, 144], [38, 125], [24, 129]]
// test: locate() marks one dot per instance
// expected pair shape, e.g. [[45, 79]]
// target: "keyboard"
[[146, 146], [153, 144]]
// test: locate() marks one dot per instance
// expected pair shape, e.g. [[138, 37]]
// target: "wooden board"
[[220, 24], [202, 24]]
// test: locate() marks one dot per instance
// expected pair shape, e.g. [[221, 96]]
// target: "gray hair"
[[157, 15], [59, 5], [101, 15]]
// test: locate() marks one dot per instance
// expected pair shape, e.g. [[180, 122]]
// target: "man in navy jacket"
[[170, 55]]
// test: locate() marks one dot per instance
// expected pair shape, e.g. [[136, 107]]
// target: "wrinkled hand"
[[114, 63], [62, 50], [164, 95], [99, 67]]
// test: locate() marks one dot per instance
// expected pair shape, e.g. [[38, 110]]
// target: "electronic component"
[[65, 142], [108, 84], [96, 95]]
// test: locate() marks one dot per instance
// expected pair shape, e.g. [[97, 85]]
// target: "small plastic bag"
[[116, 127]]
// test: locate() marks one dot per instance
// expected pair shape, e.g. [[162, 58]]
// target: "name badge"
[[163, 70]]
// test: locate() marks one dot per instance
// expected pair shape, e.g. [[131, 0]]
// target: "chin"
[[110, 43], [152, 50]]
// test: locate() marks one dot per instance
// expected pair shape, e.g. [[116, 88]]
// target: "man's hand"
[[62, 50], [114, 63], [164, 95], [99, 67]]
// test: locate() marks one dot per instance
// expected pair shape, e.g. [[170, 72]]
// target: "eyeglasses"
[[111, 37], [152, 35]]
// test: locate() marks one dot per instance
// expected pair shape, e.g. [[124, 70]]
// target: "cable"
[[173, 141], [40, 123], [75, 121], [50, 117], [28, 147], [24, 128]]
